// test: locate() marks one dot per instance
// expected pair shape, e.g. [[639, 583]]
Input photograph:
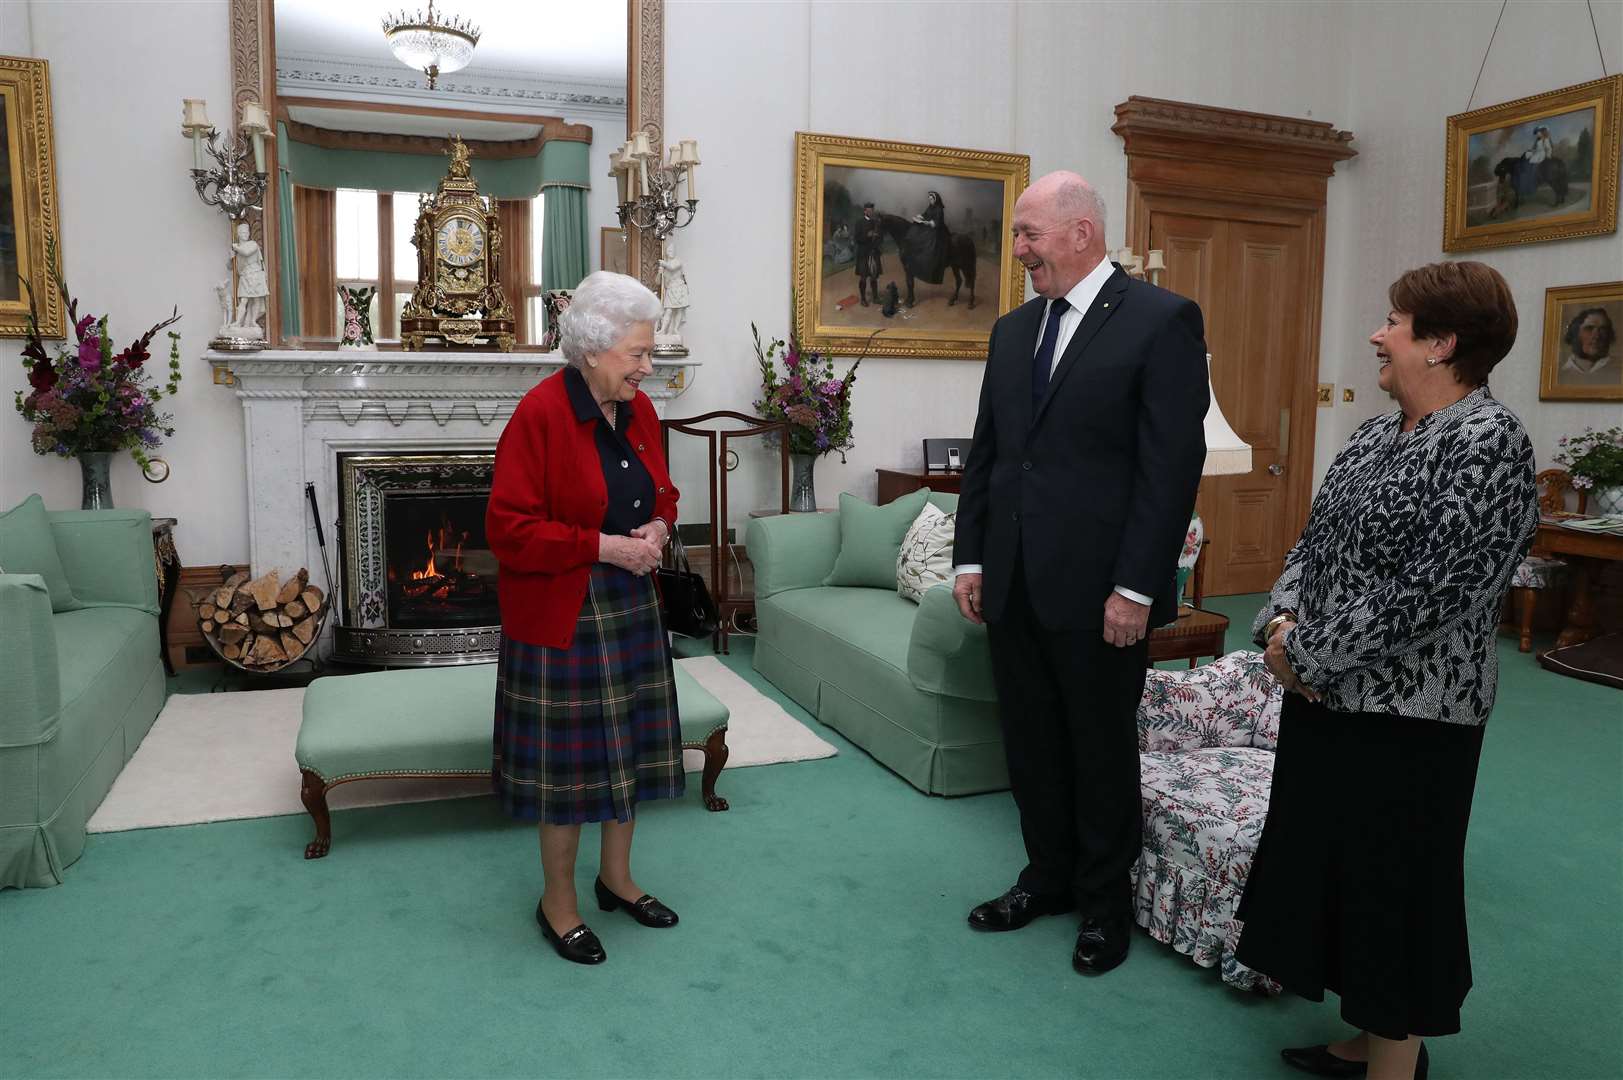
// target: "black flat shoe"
[[1015, 909], [1101, 944], [579, 945], [1319, 1061], [645, 909]]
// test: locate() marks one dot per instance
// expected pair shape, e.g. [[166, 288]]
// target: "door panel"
[[1249, 279]]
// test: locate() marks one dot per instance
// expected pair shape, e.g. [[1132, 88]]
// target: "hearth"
[[418, 579]]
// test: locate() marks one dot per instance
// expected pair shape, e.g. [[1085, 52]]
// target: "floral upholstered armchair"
[[1206, 741]]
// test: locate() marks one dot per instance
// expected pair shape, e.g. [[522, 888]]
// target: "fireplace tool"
[[321, 541]]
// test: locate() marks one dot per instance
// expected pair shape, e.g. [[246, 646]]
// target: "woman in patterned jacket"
[[1381, 629]]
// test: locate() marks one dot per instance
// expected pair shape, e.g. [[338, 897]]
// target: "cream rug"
[[218, 757]]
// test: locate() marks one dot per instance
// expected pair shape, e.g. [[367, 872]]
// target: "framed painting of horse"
[[905, 238], [1542, 168], [27, 197]]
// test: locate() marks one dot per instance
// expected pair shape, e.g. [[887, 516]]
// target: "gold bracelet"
[[1275, 623]]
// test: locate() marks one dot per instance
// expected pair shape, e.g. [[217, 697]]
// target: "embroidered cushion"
[[1537, 573], [925, 558]]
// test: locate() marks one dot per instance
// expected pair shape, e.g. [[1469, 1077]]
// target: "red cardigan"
[[547, 501]]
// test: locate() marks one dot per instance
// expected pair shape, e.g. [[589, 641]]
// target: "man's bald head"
[[1059, 231]]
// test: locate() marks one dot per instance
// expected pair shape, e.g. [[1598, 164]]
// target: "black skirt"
[[1358, 885]]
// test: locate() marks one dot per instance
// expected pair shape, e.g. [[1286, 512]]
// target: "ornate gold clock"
[[458, 299]]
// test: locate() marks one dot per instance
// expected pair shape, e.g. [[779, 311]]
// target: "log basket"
[[263, 625]]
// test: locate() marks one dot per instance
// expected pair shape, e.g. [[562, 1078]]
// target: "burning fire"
[[439, 541]]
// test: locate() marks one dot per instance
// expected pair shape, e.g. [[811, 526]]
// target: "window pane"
[[537, 219], [405, 222], [534, 330], [355, 251]]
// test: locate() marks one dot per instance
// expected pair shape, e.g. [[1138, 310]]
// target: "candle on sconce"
[[688, 155], [618, 172], [1157, 260], [193, 122], [255, 122]]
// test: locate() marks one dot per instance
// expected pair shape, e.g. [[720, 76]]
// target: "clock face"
[[460, 242]]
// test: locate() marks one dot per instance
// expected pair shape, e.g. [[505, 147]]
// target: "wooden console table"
[[1583, 552], [894, 483]]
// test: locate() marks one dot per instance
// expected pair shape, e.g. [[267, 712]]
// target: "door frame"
[[1227, 164]]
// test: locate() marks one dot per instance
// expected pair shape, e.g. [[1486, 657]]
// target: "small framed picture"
[[1542, 168], [1582, 358], [612, 253]]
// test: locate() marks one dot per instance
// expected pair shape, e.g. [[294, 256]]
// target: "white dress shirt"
[[1081, 297]]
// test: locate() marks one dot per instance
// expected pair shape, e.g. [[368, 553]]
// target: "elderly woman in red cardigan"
[[580, 508]]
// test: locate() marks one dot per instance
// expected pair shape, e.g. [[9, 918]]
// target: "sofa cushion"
[[27, 547], [870, 536], [925, 557]]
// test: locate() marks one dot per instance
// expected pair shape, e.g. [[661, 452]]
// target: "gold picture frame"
[[27, 197], [975, 283], [1583, 356], [1540, 168], [612, 251]]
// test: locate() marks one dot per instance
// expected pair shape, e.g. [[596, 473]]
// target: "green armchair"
[[82, 680]]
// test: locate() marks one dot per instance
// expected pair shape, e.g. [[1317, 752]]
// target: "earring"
[[1433, 361], [593, 363]]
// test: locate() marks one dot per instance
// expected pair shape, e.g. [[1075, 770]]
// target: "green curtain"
[[288, 284], [565, 247], [378, 170]]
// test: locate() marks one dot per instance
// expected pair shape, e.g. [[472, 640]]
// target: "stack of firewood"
[[263, 624]]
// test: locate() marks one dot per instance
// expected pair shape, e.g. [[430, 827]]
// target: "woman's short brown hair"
[[1467, 299]]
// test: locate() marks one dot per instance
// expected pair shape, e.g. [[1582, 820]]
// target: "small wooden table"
[[894, 483], [1196, 632], [1583, 552]]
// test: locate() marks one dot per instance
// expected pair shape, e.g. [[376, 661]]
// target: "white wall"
[[742, 78], [1421, 61]]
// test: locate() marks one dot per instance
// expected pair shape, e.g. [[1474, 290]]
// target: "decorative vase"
[[802, 490], [96, 467], [1606, 500], [357, 329]]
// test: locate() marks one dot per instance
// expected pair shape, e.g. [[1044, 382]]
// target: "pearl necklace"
[[613, 413]]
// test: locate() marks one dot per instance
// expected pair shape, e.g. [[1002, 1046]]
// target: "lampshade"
[[1226, 453]]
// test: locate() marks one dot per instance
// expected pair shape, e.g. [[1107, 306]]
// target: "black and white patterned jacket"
[[1398, 578]]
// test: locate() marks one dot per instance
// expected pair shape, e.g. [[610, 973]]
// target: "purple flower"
[[82, 325], [821, 442], [832, 388], [90, 353]]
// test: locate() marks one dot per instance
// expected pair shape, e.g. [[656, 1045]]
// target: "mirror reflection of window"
[[405, 256], [532, 301], [355, 246]]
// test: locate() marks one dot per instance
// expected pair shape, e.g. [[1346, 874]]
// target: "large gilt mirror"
[[552, 87]]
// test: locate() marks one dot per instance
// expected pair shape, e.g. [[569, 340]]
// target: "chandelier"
[[434, 45]]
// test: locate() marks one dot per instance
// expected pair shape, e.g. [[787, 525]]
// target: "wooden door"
[[1236, 201], [1248, 277]]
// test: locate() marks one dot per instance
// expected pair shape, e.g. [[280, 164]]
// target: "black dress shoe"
[[1319, 1061], [1101, 945], [1015, 909], [645, 909], [579, 945]]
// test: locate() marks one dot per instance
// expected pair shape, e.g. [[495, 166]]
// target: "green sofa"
[[909, 683], [82, 680]]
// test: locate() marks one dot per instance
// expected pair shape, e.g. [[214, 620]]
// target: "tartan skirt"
[[585, 733]]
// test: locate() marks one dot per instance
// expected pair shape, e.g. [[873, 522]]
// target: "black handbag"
[[684, 599]]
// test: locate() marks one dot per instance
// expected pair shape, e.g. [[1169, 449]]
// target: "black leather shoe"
[[1015, 909], [1319, 1061], [579, 945], [645, 909], [1101, 945]]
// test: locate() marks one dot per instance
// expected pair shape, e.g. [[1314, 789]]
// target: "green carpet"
[[822, 935]]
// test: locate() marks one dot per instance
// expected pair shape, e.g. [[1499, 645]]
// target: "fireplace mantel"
[[302, 408]]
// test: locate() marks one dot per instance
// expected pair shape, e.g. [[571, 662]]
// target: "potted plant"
[[90, 402], [1595, 459]]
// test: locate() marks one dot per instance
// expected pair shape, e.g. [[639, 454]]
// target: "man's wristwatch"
[[1275, 623]]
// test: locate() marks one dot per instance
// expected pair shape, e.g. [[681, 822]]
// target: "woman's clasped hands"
[[637, 553], [1274, 657]]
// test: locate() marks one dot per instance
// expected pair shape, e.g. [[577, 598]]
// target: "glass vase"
[[802, 489], [96, 467]]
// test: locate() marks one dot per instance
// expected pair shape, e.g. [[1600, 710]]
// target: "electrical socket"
[[1326, 394], [1347, 393]]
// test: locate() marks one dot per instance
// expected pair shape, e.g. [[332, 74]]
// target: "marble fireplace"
[[397, 448]]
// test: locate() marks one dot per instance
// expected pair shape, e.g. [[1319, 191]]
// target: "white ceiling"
[[399, 123], [577, 40]]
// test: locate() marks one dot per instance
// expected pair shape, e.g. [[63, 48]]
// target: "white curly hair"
[[602, 310]]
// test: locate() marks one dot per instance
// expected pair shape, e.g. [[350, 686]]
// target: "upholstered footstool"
[[436, 722], [1206, 766]]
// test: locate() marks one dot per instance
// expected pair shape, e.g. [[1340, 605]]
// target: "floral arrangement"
[[807, 395], [357, 315], [1595, 458], [90, 398]]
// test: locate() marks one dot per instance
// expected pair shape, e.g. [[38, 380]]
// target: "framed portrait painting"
[[1582, 359], [612, 253], [904, 238], [27, 196], [1542, 168]]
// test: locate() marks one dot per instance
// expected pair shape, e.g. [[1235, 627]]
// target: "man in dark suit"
[[1076, 499]]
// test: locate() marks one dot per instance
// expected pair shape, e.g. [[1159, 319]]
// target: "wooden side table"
[[894, 483], [166, 562], [1196, 632]]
